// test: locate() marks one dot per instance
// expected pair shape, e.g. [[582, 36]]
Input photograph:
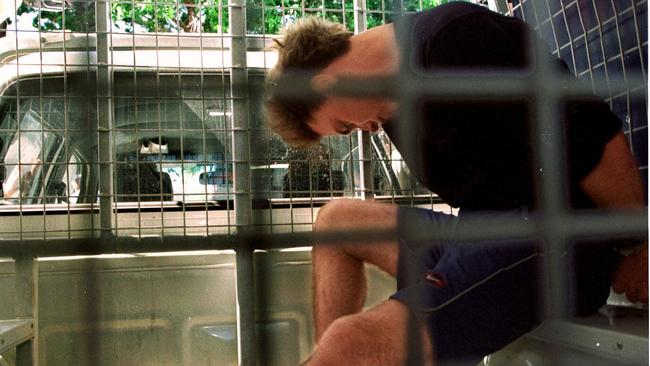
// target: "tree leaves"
[[211, 16]]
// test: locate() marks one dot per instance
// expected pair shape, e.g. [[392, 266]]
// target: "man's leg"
[[375, 337], [339, 274]]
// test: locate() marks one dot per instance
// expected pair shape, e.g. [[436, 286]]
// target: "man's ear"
[[322, 83]]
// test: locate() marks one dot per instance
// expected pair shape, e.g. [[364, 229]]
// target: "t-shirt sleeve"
[[590, 126]]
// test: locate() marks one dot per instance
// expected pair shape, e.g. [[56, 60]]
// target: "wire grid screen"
[[604, 43], [159, 72]]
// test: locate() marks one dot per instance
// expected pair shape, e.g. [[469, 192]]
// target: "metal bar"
[[451, 84], [547, 149], [571, 45], [105, 157], [635, 13], [643, 65], [366, 188], [621, 51], [15, 332], [104, 117], [587, 46], [592, 224], [602, 48], [246, 338], [242, 187], [407, 113], [26, 307]]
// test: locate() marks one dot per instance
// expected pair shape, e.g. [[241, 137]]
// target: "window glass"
[[22, 159], [169, 147], [30, 151], [48, 143], [72, 179], [172, 148]]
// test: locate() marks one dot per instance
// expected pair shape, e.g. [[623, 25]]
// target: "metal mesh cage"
[[137, 126]]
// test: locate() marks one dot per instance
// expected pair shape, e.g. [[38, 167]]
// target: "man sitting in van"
[[476, 155]]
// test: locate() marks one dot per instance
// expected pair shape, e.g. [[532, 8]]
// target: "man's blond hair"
[[308, 46]]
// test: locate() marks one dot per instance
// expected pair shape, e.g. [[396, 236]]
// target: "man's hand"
[[631, 276]]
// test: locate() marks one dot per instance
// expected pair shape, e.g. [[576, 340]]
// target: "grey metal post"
[[105, 156], [407, 113], [26, 307], [104, 117], [549, 145], [366, 185], [242, 185]]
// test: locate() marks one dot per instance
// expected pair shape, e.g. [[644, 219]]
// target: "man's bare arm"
[[615, 183]]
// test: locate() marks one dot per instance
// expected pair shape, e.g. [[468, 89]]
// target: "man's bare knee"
[[348, 340], [375, 337], [347, 214], [327, 220], [330, 215]]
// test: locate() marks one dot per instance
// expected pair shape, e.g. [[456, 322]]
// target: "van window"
[[171, 144], [33, 142]]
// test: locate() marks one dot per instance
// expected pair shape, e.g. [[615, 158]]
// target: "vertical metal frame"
[[407, 111], [366, 184], [26, 307], [242, 185], [105, 116], [548, 151]]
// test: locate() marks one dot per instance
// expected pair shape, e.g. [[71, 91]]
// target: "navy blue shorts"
[[475, 297], [478, 297]]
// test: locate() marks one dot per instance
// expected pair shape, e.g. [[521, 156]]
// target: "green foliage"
[[154, 18], [76, 19], [263, 16], [216, 20], [269, 16]]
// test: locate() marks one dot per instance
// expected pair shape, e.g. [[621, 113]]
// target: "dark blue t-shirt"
[[477, 154]]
